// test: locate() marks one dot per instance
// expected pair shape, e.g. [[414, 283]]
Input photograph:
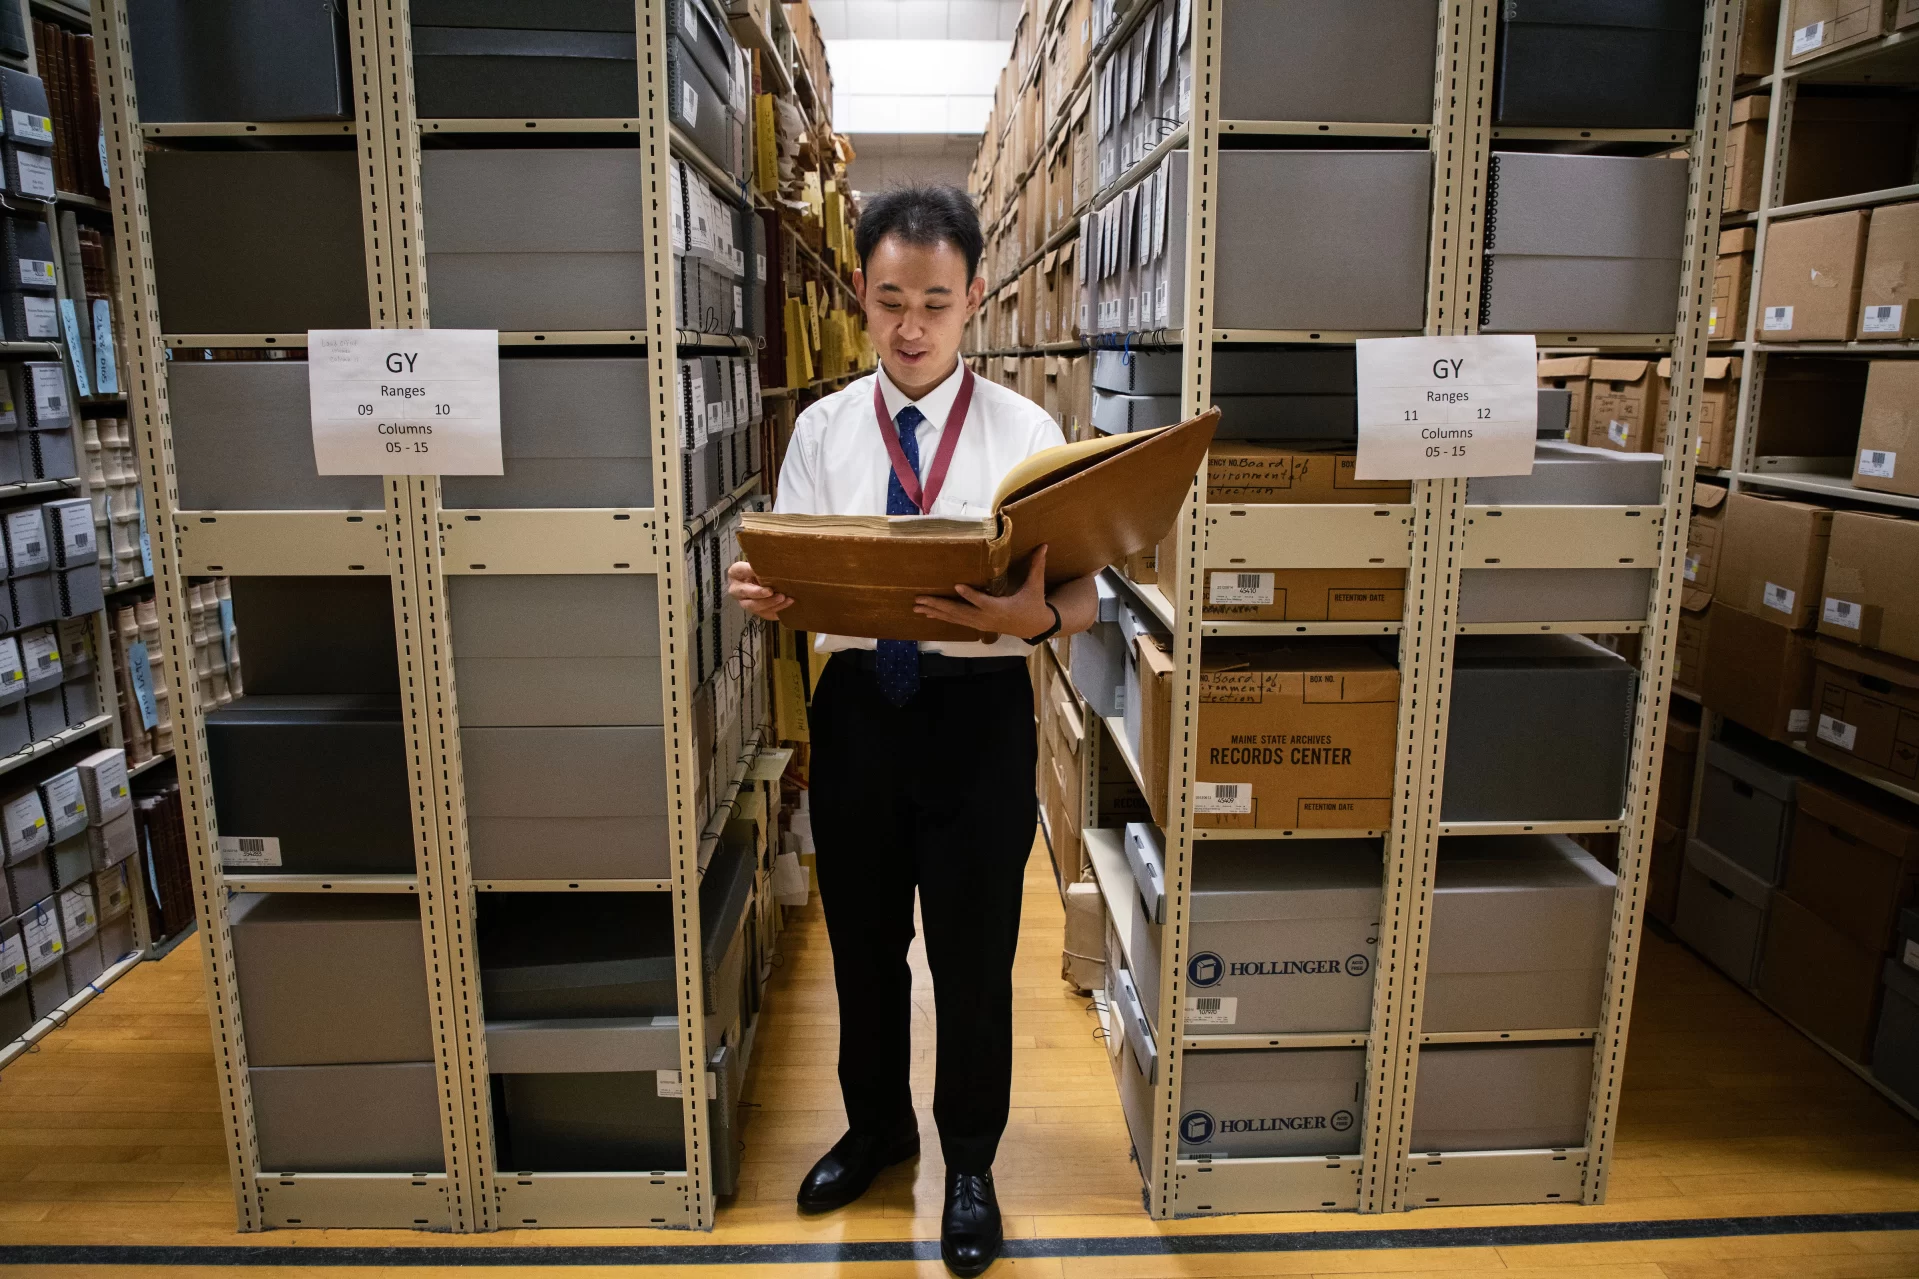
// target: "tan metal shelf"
[[283, 543], [568, 541]]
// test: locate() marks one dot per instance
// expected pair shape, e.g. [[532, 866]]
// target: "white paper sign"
[[1436, 407], [405, 401]]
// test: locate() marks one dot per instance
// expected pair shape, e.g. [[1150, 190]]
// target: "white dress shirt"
[[837, 464]]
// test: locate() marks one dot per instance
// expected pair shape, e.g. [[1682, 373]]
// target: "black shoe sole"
[[898, 1155]]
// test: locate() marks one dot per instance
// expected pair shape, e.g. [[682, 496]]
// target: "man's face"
[[918, 300]]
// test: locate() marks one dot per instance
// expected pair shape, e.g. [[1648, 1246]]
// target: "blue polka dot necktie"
[[898, 673]]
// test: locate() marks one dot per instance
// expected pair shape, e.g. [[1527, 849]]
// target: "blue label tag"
[[146, 543], [140, 675], [226, 628], [106, 370], [70, 322]]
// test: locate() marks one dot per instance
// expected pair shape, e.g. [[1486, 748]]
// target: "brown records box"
[[1624, 395], [1818, 979], [1570, 373], [1809, 284], [1703, 537], [1817, 27], [1871, 594], [1758, 31], [1855, 864], [1242, 474], [1689, 644], [1718, 407], [1745, 155], [1889, 281], [1292, 736], [1865, 712], [1758, 674], [1889, 429], [1731, 284], [1305, 595], [1775, 559]]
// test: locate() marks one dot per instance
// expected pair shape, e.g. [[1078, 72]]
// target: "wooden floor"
[[110, 1135]]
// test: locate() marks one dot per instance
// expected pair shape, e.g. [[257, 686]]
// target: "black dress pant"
[[937, 796]]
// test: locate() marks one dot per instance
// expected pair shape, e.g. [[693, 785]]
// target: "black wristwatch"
[[1050, 631]]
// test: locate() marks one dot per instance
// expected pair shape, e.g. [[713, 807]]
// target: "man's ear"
[[859, 286], [975, 294]]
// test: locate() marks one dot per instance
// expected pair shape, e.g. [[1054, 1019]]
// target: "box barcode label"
[[29, 127], [1212, 1010], [1841, 613], [1692, 568], [13, 960], [1778, 319], [1837, 732], [690, 108], [1878, 463], [1798, 720], [1779, 597], [249, 850], [1882, 319], [1222, 797], [1617, 432], [1712, 321], [1240, 588], [36, 272], [1807, 38]]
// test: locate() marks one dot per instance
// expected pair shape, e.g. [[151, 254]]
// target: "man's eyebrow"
[[888, 287]]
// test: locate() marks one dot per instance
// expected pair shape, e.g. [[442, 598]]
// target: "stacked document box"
[[1736, 859]]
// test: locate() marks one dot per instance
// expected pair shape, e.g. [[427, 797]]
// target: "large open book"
[[1090, 504]]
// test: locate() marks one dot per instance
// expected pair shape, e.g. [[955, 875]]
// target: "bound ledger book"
[[1090, 504]]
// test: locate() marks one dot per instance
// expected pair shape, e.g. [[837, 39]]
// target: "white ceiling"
[[915, 66]]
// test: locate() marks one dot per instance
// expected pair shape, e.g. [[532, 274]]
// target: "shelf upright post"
[[1182, 590], [145, 376], [677, 621], [396, 283], [1784, 96], [1461, 148], [1719, 55], [1461, 140]]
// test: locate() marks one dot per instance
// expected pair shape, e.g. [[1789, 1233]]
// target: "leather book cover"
[[859, 575]]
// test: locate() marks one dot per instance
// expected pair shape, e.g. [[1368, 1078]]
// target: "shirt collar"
[[935, 404]]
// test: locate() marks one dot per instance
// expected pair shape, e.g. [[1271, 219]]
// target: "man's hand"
[[761, 601], [1022, 614]]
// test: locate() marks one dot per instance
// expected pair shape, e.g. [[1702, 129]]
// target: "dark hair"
[[924, 215]]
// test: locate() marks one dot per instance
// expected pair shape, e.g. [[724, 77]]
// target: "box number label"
[[249, 851], [1222, 797], [1778, 319], [1807, 38], [1779, 597], [1882, 319], [1878, 463], [1240, 588], [1841, 613], [1212, 1010], [1837, 732]]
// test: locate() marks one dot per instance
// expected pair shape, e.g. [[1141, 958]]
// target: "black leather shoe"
[[844, 1172], [970, 1235]]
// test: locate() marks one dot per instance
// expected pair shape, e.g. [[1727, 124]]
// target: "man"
[[923, 755]]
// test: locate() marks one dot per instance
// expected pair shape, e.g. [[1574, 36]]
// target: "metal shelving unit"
[[1434, 537], [419, 544]]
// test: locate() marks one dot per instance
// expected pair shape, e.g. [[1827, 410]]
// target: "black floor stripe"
[[720, 1254]]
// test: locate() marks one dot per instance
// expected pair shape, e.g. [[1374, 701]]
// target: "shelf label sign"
[[1443, 407], [405, 401]]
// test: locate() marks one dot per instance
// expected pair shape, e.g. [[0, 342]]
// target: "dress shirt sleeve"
[[1045, 434]]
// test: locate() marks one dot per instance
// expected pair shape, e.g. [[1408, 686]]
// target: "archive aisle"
[[484, 849]]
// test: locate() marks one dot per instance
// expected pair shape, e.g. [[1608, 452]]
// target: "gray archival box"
[[551, 651]]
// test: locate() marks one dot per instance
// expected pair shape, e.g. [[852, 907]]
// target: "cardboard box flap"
[[1695, 599], [1619, 370], [1708, 497], [1754, 106], [1865, 661], [1316, 879], [1046, 263], [1859, 822], [1717, 367], [1776, 780], [1728, 874], [1682, 736], [1740, 239], [1566, 366]]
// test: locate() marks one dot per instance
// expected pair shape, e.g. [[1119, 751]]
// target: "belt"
[[940, 666]]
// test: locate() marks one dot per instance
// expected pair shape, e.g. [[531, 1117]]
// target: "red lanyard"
[[942, 458]]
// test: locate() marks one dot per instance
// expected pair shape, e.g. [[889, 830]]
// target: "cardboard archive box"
[[1758, 674], [1624, 395], [1865, 708], [1818, 979], [1365, 61], [1501, 1096], [1758, 33], [569, 436], [1722, 912], [1745, 158], [1572, 374], [1264, 1104], [1597, 66], [1715, 412], [1703, 533], [1872, 565], [192, 69], [1746, 809], [1819, 27], [1731, 284], [1889, 278], [1291, 736], [1895, 1049], [1774, 561], [1854, 863], [1284, 939], [1519, 932], [1538, 730], [1809, 282], [578, 62], [556, 651], [1888, 427], [1098, 661], [1582, 244]]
